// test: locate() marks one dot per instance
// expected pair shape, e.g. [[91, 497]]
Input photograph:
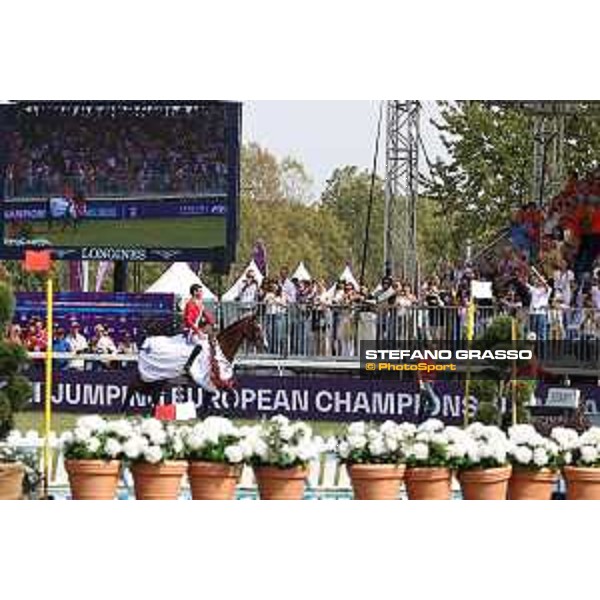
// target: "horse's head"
[[248, 329], [255, 333]]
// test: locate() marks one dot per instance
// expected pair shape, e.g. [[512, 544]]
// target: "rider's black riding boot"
[[195, 352]]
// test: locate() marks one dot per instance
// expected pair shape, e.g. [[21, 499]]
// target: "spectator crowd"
[[310, 318], [34, 338], [117, 151]]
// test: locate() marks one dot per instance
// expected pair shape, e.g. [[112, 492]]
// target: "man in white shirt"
[[288, 288], [249, 291], [563, 276], [104, 344], [540, 293], [78, 345]]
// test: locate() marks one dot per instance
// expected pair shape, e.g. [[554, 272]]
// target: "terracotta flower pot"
[[428, 483], [376, 482], [529, 484], [281, 484], [485, 484], [11, 481], [213, 481], [93, 479], [582, 483], [158, 482]]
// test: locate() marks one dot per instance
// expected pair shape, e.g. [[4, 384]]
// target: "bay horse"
[[247, 329]]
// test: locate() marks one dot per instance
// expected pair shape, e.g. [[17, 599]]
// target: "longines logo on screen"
[[113, 254]]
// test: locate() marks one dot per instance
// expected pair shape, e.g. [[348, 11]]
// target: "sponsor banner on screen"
[[308, 398], [122, 209]]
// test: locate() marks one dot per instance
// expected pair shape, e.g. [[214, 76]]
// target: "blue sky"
[[325, 134]]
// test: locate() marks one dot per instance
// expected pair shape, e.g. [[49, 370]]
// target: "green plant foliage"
[[14, 388]]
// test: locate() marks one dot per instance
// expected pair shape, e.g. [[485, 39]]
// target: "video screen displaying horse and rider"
[[119, 175]]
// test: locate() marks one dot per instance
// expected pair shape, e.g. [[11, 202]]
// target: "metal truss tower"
[[548, 148], [401, 191]]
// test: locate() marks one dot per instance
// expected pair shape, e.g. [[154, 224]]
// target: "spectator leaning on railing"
[[78, 344]]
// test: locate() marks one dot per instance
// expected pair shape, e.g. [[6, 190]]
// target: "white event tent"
[[301, 273], [177, 280], [348, 277]]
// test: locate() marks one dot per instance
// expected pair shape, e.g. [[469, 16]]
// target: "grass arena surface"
[[27, 420], [192, 232]]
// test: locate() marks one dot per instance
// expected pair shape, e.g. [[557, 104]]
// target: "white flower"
[[157, 437], [357, 442], [522, 434], [113, 447], [540, 457], [423, 436], [92, 423], [391, 444], [132, 448], [286, 433], [153, 454], [591, 437], [589, 454], [280, 420], [302, 430], [431, 425], [195, 440], [93, 444], [234, 454], [82, 434], [149, 426], [373, 434], [121, 427], [260, 448], [407, 430], [177, 444], [376, 446], [356, 429], [246, 447], [475, 430], [420, 451], [14, 438], [473, 453], [523, 455], [566, 438], [344, 449], [32, 436], [457, 450], [290, 453], [389, 428]]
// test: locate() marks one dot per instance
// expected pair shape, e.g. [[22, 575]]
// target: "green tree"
[[297, 185], [490, 165], [346, 196], [15, 388], [275, 207], [489, 169], [260, 175]]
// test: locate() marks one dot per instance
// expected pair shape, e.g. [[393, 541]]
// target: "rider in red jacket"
[[197, 323]]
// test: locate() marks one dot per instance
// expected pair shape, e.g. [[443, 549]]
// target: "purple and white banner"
[[122, 208], [307, 398]]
